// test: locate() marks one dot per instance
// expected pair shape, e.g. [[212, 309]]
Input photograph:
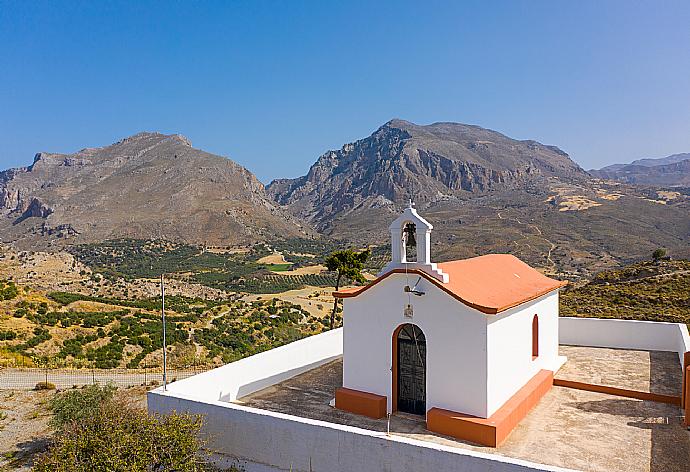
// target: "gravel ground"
[[24, 430]]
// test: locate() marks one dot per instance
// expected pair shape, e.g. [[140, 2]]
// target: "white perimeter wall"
[[237, 379], [625, 334], [455, 344], [268, 441], [265, 441], [510, 347]]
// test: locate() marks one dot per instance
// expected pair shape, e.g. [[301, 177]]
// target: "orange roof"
[[490, 284]]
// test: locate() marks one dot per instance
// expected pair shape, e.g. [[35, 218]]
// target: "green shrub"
[[75, 405], [44, 386], [8, 290], [7, 335], [120, 437]]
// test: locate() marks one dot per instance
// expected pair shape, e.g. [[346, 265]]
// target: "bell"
[[410, 231]]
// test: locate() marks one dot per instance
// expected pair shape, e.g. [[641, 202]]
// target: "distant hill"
[[670, 171], [149, 185], [485, 192]]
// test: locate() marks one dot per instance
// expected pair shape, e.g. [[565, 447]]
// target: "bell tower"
[[411, 245]]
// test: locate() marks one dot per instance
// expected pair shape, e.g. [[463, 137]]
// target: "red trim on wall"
[[494, 430], [621, 392], [686, 380], [361, 403], [349, 293], [687, 396]]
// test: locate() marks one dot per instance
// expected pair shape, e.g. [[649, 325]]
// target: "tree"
[[658, 254], [346, 263]]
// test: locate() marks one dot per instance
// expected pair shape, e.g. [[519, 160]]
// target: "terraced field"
[[71, 329]]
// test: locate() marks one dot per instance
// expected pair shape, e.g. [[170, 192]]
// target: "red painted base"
[[361, 403], [494, 430]]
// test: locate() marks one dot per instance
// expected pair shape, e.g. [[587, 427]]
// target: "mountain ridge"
[[146, 185], [670, 171], [402, 160], [484, 192]]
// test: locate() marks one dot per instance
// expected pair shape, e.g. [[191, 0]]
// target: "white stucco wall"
[[265, 441], [625, 334], [455, 343], [262, 370], [510, 364]]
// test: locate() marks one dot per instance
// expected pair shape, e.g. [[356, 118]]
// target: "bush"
[[7, 335], [75, 405], [119, 437], [8, 290], [44, 386], [659, 254]]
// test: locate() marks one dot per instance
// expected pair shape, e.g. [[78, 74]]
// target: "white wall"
[[455, 343], [271, 441], [625, 334], [262, 370], [510, 364]]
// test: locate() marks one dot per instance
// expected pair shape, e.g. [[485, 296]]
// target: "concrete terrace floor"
[[569, 428]]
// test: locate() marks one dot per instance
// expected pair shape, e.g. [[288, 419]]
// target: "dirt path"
[[539, 232]]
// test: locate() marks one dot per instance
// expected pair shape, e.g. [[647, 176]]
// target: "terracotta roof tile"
[[491, 284]]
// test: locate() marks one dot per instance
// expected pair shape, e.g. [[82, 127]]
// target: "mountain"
[[402, 161], [670, 171], [485, 192], [149, 185]]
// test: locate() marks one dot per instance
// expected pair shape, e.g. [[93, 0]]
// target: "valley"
[[57, 311]]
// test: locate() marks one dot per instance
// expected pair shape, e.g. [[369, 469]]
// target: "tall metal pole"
[[165, 349]]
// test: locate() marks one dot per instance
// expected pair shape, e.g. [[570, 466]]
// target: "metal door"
[[411, 370]]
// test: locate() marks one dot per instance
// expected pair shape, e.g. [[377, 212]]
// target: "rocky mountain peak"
[[403, 160]]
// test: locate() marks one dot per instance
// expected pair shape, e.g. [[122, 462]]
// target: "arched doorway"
[[410, 370]]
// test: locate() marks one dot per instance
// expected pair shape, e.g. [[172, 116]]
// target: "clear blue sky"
[[273, 85]]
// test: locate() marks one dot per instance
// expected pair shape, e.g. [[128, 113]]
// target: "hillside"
[[670, 171], [149, 185], [485, 192], [647, 290], [52, 306]]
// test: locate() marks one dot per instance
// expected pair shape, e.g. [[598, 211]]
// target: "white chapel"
[[471, 345]]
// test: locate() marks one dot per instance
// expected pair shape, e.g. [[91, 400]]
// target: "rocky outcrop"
[[36, 209]]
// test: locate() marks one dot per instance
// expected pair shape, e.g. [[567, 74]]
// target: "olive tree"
[[349, 264]]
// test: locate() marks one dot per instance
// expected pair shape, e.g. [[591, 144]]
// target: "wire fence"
[[17, 376]]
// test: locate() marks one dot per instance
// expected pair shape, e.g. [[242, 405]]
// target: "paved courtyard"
[[568, 428]]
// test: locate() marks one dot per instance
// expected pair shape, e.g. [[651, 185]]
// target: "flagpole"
[[165, 357]]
